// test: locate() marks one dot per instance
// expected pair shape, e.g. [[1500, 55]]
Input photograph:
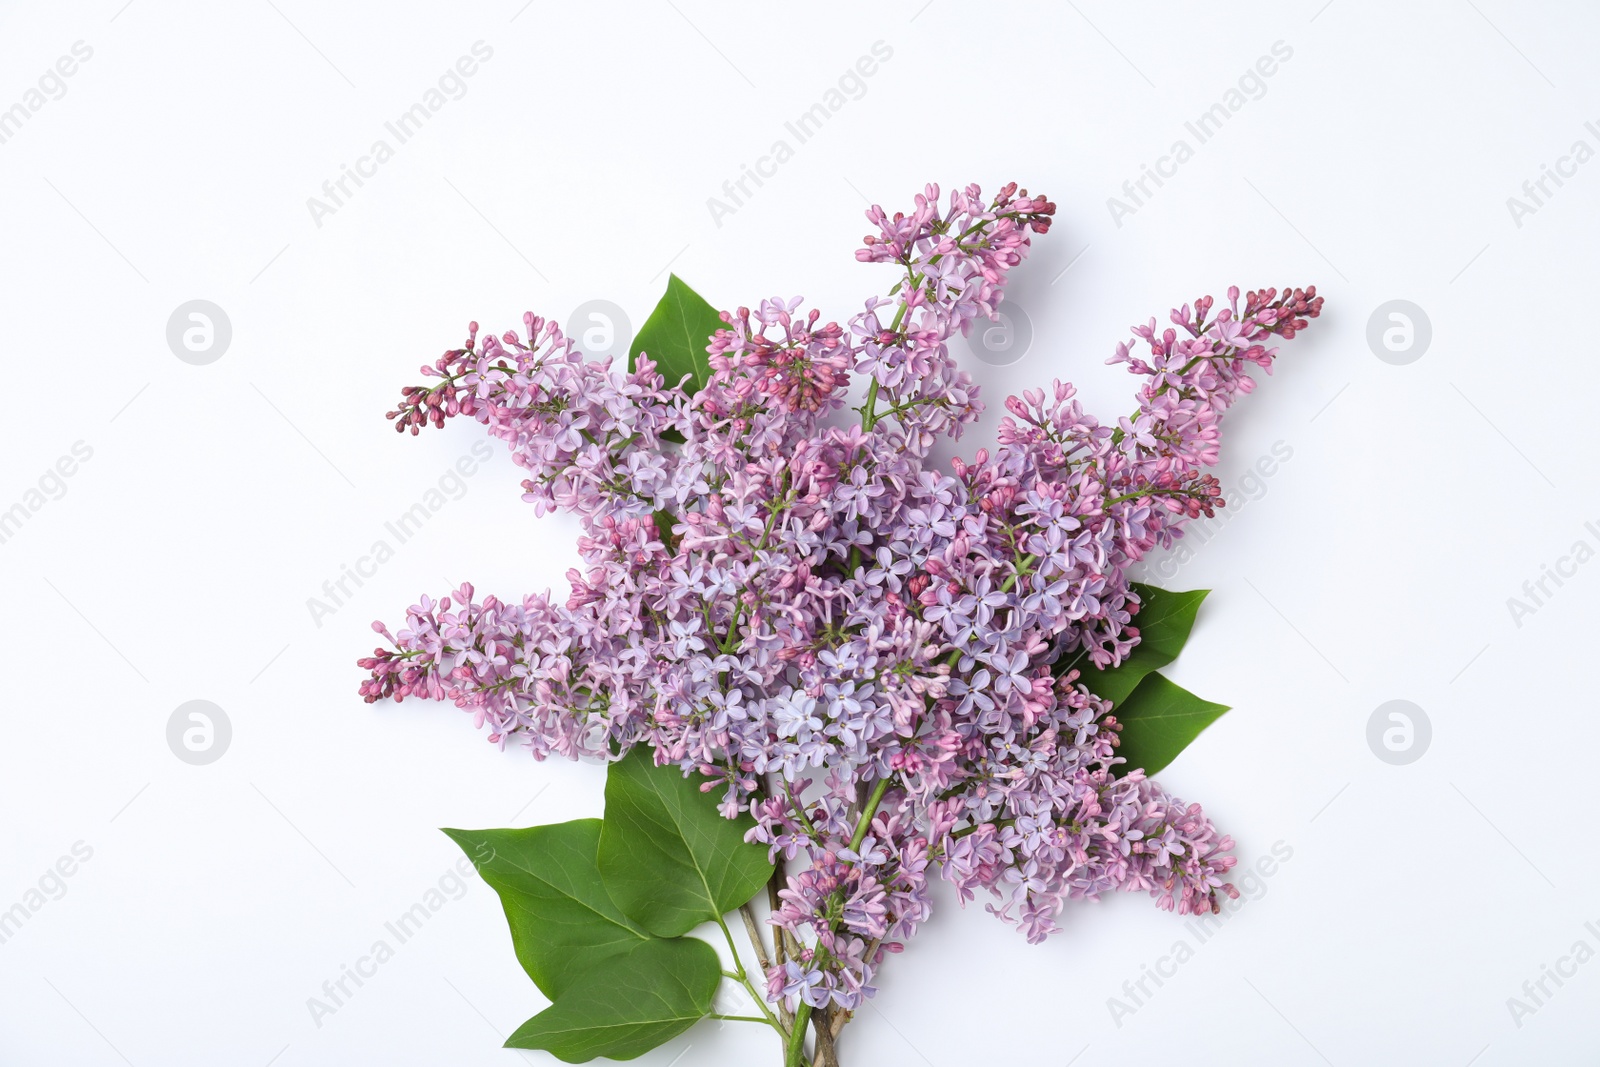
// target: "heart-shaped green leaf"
[[676, 334], [668, 857], [627, 1005], [1158, 721], [1164, 621], [562, 920]]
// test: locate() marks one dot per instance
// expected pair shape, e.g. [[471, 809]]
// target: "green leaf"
[[562, 920], [1158, 722], [627, 1005], [668, 857], [664, 521], [1164, 621], [676, 334]]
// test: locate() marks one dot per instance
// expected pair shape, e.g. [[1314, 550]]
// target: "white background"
[[1375, 565]]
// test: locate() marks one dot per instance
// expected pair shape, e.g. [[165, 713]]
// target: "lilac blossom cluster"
[[853, 645]]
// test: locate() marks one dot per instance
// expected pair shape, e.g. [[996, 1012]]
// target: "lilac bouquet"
[[877, 671]]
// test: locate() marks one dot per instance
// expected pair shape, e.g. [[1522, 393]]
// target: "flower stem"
[[738, 975], [751, 928], [868, 410], [1024, 566], [756, 940]]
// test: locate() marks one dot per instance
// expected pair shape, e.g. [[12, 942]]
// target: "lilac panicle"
[[802, 608]]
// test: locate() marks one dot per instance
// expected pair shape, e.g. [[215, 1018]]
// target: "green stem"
[[868, 418], [899, 316], [1147, 492], [866, 815], [1025, 566], [739, 975], [800, 809]]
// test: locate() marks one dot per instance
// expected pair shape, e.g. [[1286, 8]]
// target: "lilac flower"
[[796, 716], [767, 595]]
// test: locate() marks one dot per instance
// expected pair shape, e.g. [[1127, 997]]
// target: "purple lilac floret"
[[803, 608]]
